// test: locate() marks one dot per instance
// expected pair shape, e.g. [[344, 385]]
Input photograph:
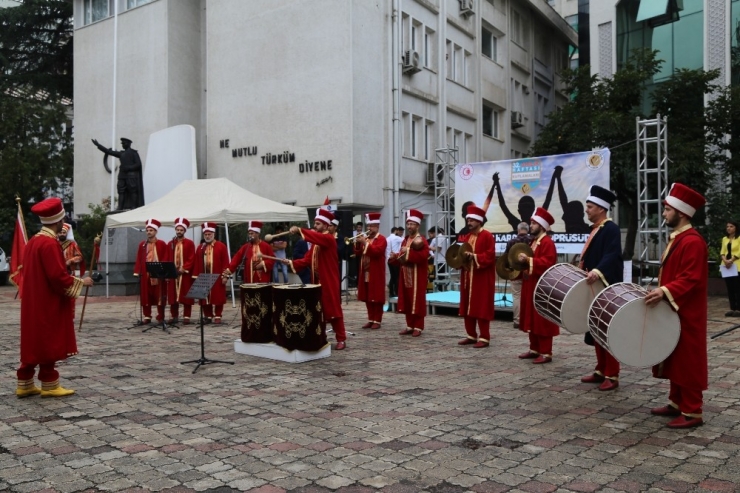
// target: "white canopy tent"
[[216, 200]]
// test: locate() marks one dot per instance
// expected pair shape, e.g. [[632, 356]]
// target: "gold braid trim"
[[75, 289]]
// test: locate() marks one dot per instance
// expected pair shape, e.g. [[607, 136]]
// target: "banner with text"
[[511, 190]]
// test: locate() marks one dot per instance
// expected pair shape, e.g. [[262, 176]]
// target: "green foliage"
[[35, 157], [36, 49], [89, 226], [602, 113]]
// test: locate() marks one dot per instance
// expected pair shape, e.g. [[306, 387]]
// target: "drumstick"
[[260, 256]]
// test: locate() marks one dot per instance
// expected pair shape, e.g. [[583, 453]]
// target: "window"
[[413, 137], [135, 3], [95, 10], [458, 60], [489, 44], [490, 121], [429, 44], [427, 139], [519, 29]]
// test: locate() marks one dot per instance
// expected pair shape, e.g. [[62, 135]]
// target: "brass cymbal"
[[514, 256], [504, 270], [455, 255]]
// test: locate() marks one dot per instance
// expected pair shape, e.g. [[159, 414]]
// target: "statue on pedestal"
[[130, 182]]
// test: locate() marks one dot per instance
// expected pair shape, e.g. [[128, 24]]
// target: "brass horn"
[[514, 256], [269, 238], [349, 240]]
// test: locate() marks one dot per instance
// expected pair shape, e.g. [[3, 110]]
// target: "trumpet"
[[348, 241]]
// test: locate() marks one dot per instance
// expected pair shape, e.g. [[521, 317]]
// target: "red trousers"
[[47, 373], [210, 310], [540, 344], [338, 325], [483, 324], [147, 309], [606, 364], [689, 401], [187, 310], [374, 311], [415, 321]]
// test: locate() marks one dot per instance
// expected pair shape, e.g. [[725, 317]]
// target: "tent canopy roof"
[[216, 200]]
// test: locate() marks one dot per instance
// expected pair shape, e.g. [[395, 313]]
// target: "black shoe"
[[735, 314], [731, 313]]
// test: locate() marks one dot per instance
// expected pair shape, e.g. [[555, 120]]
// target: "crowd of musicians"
[[682, 283]]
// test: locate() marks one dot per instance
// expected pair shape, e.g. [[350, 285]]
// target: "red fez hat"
[[255, 226], [50, 211], [475, 212], [181, 221], [414, 215], [209, 227], [684, 199], [543, 218], [372, 218], [324, 216], [153, 223]]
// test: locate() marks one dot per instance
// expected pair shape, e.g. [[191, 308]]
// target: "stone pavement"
[[390, 414]]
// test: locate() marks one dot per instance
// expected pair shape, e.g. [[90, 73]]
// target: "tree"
[[35, 105], [602, 113], [36, 50]]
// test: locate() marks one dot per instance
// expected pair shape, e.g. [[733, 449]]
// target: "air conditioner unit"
[[430, 174], [517, 119], [466, 7], [411, 62]]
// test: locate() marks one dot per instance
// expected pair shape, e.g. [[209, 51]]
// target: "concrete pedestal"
[[271, 350], [121, 257]]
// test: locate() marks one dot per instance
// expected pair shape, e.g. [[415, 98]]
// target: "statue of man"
[[130, 182]]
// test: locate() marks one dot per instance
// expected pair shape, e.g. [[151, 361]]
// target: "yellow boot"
[[26, 388], [53, 389]]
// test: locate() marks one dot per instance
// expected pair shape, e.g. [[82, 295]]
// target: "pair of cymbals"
[[513, 256], [504, 270], [455, 255]]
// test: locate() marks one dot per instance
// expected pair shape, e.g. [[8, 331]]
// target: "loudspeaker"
[[346, 228]]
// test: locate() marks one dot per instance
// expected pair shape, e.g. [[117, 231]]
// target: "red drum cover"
[[296, 317], [256, 312]]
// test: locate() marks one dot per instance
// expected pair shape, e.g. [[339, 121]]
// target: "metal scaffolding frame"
[[652, 186], [444, 201]]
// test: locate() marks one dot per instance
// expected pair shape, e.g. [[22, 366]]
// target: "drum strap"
[[668, 251]]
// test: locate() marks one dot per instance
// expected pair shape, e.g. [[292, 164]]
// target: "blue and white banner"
[[511, 190]]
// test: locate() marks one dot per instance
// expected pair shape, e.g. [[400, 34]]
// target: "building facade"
[[300, 100]]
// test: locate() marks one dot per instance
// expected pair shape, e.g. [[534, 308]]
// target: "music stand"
[[162, 271], [199, 291]]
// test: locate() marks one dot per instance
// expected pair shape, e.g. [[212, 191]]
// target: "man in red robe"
[[212, 257], [182, 253], [152, 291], [47, 329], [478, 280], [324, 264], [545, 255], [370, 250], [72, 253], [249, 256], [412, 280], [683, 282]]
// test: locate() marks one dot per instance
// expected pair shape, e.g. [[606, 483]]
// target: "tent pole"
[[107, 259], [231, 281]]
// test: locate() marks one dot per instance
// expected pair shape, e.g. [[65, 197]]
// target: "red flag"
[[20, 238], [327, 201]]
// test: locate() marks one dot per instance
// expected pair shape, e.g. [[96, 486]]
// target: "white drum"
[[634, 333], [562, 296]]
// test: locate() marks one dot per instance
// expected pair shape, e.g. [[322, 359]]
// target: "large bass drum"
[[296, 317], [634, 333], [562, 296], [256, 312]]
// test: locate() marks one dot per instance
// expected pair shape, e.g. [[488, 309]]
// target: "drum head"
[[643, 336], [574, 315]]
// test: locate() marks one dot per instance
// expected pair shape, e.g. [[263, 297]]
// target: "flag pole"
[[20, 215]]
